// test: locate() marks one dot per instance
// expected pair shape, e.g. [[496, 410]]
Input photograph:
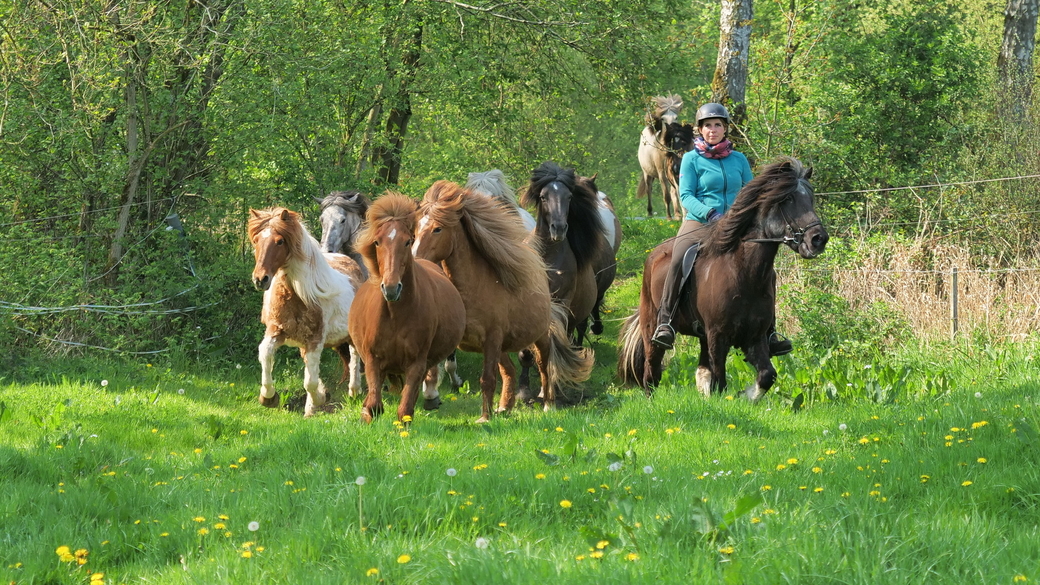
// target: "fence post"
[[953, 303]]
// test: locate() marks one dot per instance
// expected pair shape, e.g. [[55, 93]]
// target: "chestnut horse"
[[503, 285], [407, 316], [731, 295], [307, 296]]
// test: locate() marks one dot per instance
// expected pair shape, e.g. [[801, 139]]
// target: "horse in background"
[[407, 316], [730, 297], [606, 265], [503, 285], [342, 215], [493, 184], [307, 299], [654, 148]]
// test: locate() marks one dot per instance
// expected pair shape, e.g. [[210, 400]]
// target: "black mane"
[[585, 226]]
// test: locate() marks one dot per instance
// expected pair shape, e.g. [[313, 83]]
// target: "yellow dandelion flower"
[[372, 572], [632, 557], [203, 531], [755, 519], [406, 418], [241, 459], [731, 426], [766, 488], [539, 476], [97, 576], [1020, 579], [243, 431], [404, 559], [579, 558], [925, 478], [981, 459], [559, 429], [404, 434], [818, 490], [596, 554], [864, 441], [727, 550], [780, 467], [792, 461], [219, 526], [199, 518], [63, 550], [591, 490], [966, 483], [817, 469], [565, 503], [979, 425], [631, 432], [874, 493], [247, 554]]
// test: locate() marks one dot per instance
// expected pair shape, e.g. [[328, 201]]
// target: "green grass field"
[[159, 474]]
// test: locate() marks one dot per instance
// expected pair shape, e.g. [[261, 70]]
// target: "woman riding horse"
[[710, 177]]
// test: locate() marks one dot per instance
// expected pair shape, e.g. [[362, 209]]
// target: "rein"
[[797, 234]]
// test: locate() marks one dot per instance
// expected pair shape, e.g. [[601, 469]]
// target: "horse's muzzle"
[[814, 240], [557, 233], [262, 283], [392, 294]]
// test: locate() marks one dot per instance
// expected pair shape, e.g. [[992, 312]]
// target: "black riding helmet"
[[712, 110]]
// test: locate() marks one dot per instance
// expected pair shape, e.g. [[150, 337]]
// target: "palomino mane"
[[776, 182], [307, 271], [391, 207], [352, 201], [584, 223], [492, 230], [492, 183]]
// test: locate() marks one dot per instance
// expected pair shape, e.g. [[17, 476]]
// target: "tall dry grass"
[[996, 297]]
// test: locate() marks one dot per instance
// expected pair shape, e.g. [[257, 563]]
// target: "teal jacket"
[[706, 183]]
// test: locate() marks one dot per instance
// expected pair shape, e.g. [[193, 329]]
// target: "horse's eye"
[[279, 242], [376, 243], [410, 242], [437, 230], [344, 220]]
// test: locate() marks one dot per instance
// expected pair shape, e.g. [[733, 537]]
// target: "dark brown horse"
[[731, 295], [407, 316], [502, 281], [572, 239]]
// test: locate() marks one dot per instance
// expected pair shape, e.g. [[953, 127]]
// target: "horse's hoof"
[[431, 403], [483, 419], [754, 393], [271, 402], [597, 328]]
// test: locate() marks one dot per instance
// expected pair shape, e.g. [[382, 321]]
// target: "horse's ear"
[[808, 174], [353, 196], [594, 175], [254, 213], [284, 215]]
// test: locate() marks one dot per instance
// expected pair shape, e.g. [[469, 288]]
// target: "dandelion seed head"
[[481, 542], [451, 472], [253, 526], [648, 469]]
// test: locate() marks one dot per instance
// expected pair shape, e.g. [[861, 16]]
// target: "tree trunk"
[[731, 68], [1015, 62], [388, 156]]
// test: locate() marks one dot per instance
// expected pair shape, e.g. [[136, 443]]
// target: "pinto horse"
[[503, 284], [493, 184], [407, 316], [656, 153], [731, 295], [342, 213], [606, 266], [307, 297]]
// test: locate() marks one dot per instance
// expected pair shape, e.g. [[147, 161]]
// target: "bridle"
[[793, 235]]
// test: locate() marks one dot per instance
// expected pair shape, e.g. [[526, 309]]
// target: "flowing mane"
[[392, 206], [306, 269], [776, 182], [492, 230], [585, 231], [492, 183], [352, 201]]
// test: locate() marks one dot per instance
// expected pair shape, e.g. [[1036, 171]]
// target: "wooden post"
[[953, 304]]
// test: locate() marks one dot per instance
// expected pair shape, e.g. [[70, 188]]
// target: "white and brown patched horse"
[[307, 299], [493, 184], [654, 161]]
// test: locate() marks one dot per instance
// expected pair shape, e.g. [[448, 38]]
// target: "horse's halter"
[[793, 235]]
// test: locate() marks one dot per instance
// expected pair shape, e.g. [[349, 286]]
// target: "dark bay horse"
[[573, 240], [503, 284], [407, 316], [730, 298], [308, 295]]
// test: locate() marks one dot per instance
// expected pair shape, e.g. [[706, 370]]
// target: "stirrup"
[[664, 336], [779, 345]]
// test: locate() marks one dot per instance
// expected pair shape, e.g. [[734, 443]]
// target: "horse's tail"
[[568, 365], [631, 352]]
